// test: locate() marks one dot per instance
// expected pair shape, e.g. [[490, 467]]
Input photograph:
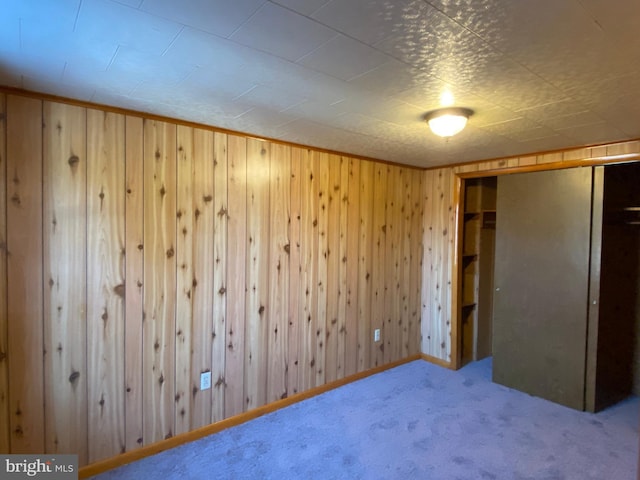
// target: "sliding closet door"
[[542, 283]]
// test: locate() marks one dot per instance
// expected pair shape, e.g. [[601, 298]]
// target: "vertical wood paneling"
[[332, 255], [406, 236], [219, 265], [257, 304], [134, 277], [204, 269], [279, 249], [309, 270], [236, 289], [5, 444], [105, 283], [65, 269], [415, 260], [451, 239], [25, 269], [294, 319], [159, 280], [428, 267], [439, 252], [365, 266], [351, 264], [341, 193], [184, 278], [448, 239], [393, 251], [379, 268], [438, 243], [197, 251], [322, 279]]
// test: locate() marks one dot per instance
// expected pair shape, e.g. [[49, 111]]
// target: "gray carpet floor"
[[416, 421]]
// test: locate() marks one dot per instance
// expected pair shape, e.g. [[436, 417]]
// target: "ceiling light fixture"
[[446, 122]]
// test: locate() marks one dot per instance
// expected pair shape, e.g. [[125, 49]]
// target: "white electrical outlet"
[[376, 335], [205, 380]]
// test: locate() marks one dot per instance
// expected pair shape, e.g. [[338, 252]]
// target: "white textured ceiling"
[[355, 76]]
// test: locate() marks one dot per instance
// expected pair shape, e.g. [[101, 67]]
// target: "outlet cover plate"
[[205, 380]]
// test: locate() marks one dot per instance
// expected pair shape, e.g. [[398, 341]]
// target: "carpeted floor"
[[416, 421]]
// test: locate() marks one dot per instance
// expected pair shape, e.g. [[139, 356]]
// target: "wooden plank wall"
[[440, 225], [4, 364], [139, 253]]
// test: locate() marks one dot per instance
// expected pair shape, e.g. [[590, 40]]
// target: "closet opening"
[[477, 247], [549, 282]]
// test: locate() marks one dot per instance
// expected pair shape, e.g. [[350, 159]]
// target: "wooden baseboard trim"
[[437, 361], [146, 451]]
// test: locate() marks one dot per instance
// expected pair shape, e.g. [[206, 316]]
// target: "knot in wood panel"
[[73, 162], [120, 290], [73, 378]]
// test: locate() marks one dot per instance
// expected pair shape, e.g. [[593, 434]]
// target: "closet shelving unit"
[[478, 241]]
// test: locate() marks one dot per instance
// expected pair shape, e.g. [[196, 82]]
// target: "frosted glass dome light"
[[446, 122]]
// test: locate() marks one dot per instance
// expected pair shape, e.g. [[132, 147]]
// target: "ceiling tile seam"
[[545, 105], [317, 47], [260, 7], [113, 57], [314, 20], [75, 21], [301, 102], [275, 2], [355, 77], [64, 69], [338, 32], [588, 13], [174, 40], [243, 113], [249, 90]]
